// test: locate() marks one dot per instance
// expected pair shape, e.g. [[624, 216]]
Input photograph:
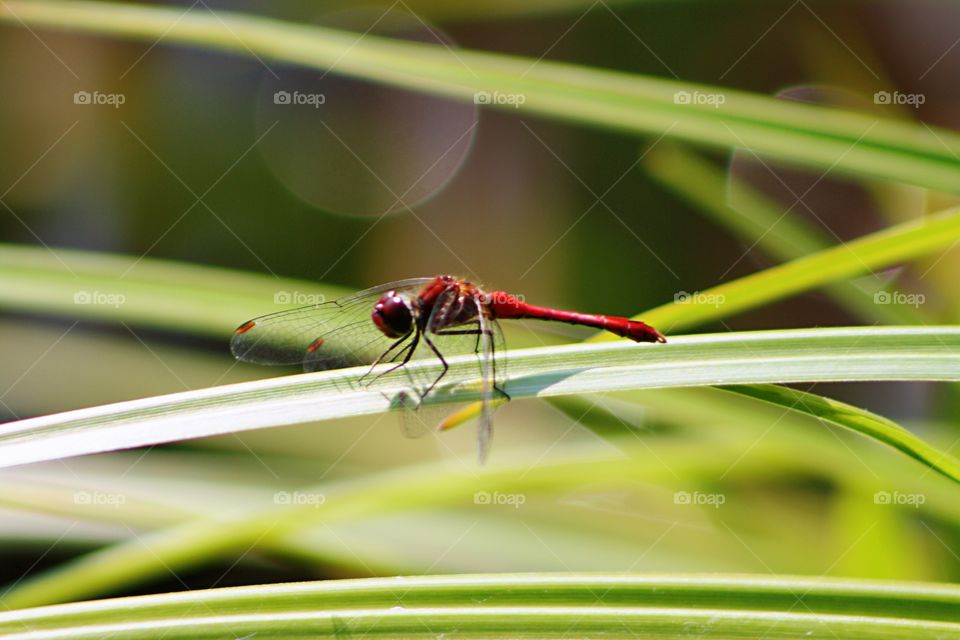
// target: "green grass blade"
[[405, 489], [806, 355], [517, 605], [761, 222], [796, 451], [756, 219], [874, 251], [148, 292], [804, 134], [854, 418]]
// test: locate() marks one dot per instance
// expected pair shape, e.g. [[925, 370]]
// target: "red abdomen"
[[503, 305]]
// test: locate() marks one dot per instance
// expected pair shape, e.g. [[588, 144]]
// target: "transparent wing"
[[330, 335], [493, 365]]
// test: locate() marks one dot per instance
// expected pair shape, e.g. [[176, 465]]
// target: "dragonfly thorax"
[[393, 314]]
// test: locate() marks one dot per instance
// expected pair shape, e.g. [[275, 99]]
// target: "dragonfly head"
[[393, 315]]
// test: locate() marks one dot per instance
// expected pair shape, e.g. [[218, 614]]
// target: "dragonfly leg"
[[493, 362], [410, 348], [478, 332], [466, 332], [446, 367]]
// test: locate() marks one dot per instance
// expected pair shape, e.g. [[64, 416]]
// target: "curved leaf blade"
[[805, 355], [853, 418], [517, 605]]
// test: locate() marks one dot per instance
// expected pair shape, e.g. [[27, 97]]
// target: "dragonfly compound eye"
[[392, 315]]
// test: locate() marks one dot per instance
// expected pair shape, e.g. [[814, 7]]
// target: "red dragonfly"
[[416, 318]]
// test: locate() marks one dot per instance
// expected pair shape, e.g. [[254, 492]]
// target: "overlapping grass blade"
[[813, 136], [759, 222], [874, 251]]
